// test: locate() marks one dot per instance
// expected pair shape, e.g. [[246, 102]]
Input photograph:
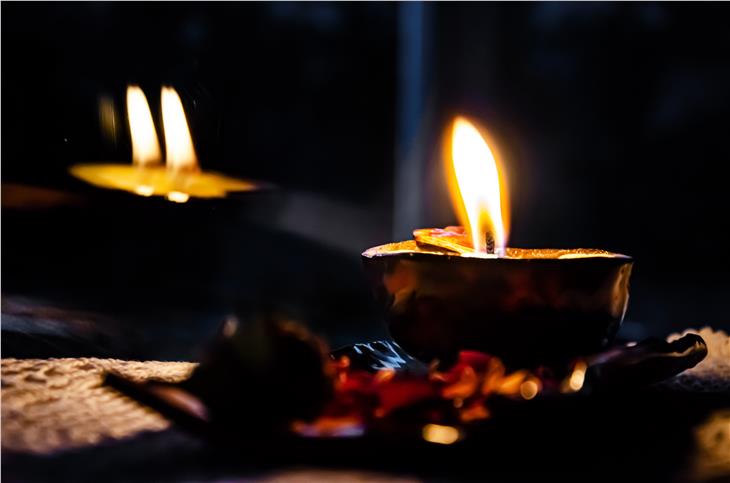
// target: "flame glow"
[[178, 197], [145, 146], [529, 388], [475, 188], [577, 378], [439, 434], [144, 190], [180, 153]]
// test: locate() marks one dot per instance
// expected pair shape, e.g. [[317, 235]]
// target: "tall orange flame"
[[145, 146], [478, 188], [180, 153]]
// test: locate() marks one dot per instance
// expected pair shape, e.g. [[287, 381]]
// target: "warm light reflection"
[[477, 189], [712, 440], [179, 150], [436, 433], [577, 378], [178, 196], [145, 146], [586, 255], [108, 121], [156, 180], [529, 389], [330, 427], [144, 190]]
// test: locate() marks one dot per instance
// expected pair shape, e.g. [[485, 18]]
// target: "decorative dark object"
[[271, 368]]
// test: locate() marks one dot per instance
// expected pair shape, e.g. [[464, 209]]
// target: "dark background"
[[612, 120]]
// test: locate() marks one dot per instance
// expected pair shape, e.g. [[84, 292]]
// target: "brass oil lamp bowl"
[[530, 307], [462, 288]]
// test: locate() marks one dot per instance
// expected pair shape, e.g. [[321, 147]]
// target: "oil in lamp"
[[463, 288], [181, 178]]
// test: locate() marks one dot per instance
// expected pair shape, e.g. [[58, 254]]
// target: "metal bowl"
[[532, 307]]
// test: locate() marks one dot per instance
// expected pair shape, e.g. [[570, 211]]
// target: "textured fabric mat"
[[57, 404]]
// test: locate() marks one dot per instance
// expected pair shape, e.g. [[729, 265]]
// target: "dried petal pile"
[[456, 396]]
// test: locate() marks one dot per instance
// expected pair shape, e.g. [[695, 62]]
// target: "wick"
[[490, 243], [490, 246]]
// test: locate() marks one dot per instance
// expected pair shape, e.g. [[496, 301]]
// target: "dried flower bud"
[[263, 375]]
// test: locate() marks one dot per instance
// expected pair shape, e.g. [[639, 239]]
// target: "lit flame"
[[475, 188], [180, 153], [145, 146]]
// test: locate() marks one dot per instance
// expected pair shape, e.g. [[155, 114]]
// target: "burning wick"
[[490, 245], [479, 195], [477, 189]]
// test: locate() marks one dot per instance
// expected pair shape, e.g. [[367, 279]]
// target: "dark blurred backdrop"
[[612, 120]]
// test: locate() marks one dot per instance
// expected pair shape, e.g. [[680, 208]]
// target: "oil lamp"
[[181, 178], [463, 288]]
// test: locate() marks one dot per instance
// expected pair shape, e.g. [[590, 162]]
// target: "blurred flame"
[[477, 189], [436, 433], [145, 146], [180, 152]]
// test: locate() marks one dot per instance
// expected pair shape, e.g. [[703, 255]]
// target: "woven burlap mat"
[[50, 405]]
